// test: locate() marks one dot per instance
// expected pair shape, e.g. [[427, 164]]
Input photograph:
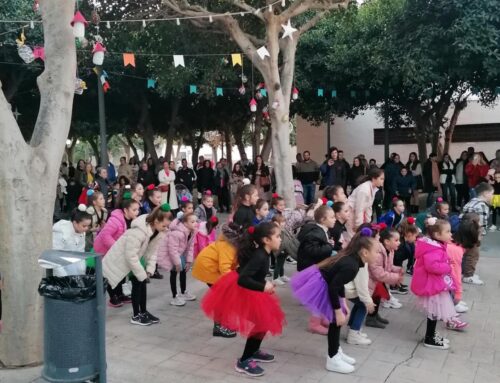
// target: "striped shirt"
[[475, 205]]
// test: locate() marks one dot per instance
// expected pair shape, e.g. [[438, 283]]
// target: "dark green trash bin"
[[74, 320]]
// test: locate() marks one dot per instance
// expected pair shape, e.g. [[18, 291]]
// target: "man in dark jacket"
[[185, 176], [333, 171], [102, 180], [308, 174]]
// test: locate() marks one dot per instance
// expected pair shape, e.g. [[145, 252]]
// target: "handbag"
[[164, 188]]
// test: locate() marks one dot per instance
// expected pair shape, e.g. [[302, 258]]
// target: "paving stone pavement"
[[181, 348]]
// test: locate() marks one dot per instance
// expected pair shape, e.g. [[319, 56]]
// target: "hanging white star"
[[16, 114], [288, 30]]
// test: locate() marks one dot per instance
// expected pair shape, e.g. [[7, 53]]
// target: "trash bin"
[[74, 320]]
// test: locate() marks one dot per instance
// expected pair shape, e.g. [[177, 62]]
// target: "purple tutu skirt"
[[311, 290]]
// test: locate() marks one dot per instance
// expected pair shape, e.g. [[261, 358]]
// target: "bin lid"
[[51, 259]]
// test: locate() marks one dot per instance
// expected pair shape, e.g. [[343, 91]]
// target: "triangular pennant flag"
[[193, 89], [128, 59], [320, 92], [334, 93], [151, 83], [219, 92], [179, 60], [104, 74], [263, 92], [237, 59], [39, 53], [263, 52], [105, 87]]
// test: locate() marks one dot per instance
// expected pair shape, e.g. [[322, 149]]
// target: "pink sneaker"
[[456, 324], [315, 326]]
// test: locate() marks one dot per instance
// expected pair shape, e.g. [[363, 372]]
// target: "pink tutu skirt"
[[438, 306]]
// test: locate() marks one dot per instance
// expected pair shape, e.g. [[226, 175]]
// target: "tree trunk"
[[421, 143], [172, 126], [29, 189], [95, 148], [131, 146], [229, 146], [238, 139], [267, 146], [459, 106], [257, 133], [149, 141]]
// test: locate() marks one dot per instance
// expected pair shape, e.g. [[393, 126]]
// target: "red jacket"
[[476, 173]]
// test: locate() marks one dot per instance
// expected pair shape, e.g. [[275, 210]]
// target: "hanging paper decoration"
[[39, 53], [242, 90], [193, 89], [295, 94], [253, 105], [80, 86], [179, 60], [275, 104], [258, 95], [79, 23], [94, 16], [288, 30], [36, 6], [219, 91], [129, 59], [23, 50], [225, 61], [263, 52], [244, 79], [334, 93], [237, 59], [320, 92], [98, 54], [266, 115], [151, 83], [263, 92]]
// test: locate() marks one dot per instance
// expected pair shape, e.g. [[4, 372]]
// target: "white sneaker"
[[291, 261], [461, 308], [463, 303], [346, 358], [363, 334], [178, 301], [337, 364], [285, 279], [392, 304], [278, 282], [354, 337], [472, 281], [493, 228], [187, 296]]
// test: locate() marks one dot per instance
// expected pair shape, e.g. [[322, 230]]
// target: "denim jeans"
[[449, 188], [309, 191], [358, 313]]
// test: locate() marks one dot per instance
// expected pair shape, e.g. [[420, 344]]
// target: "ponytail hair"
[[436, 227], [159, 213], [212, 224], [468, 232], [80, 214], [373, 173], [253, 238], [242, 193]]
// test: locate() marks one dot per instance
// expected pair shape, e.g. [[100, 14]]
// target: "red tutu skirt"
[[249, 312]]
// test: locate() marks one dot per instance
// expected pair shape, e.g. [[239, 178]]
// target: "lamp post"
[[102, 119]]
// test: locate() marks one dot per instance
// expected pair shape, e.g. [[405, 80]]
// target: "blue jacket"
[[390, 217], [403, 185], [334, 175]]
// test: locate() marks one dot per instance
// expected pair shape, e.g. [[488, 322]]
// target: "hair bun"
[[180, 215], [439, 199], [324, 200], [90, 192], [366, 232], [150, 187], [382, 226], [411, 220], [184, 199], [82, 207], [165, 207], [246, 181], [127, 195], [394, 199], [431, 221], [128, 187], [251, 230]]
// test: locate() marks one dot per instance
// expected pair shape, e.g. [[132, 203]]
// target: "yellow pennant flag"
[[237, 59]]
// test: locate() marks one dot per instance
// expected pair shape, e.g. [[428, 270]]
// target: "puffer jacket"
[[383, 269], [65, 238], [111, 232], [202, 238], [178, 241], [358, 287], [125, 255], [218, 258], [360, 203], [314, 246], [455, 254], [431, 269]]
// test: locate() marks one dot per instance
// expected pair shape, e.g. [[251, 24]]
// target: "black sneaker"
[[157, 275], [141, 320], [409, 271], [223, 332], [373, 322], [436, 343], [399, 290], [114, 301], [151, 317], [249, 367], [381, 320], [264, 357]]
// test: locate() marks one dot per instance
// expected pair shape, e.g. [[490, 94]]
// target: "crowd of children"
[[348, 266]]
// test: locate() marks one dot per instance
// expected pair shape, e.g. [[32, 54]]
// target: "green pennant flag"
[[320, 92], [219, 91]]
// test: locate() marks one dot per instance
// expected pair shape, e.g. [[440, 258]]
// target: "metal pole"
[[386, 132], [328, 133], [101, 318], [102, 121]]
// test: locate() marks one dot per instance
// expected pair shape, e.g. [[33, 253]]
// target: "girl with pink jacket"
[[432, 282], [175, 254], [205, 235], [360, 201]]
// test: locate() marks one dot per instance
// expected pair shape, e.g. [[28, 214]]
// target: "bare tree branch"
[[311, 22], [10, 134], [246, 7], [299, 7]]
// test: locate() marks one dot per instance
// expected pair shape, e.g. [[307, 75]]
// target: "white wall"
[[356, 136]]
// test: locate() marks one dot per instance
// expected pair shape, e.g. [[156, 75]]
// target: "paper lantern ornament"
[[80, 86], [253, 105], [98, 54], [295, 94], [24, 51], [79, 23], [242, 90]]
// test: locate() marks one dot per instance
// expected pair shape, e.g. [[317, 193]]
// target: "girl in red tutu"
[[320, 288], [244, 301]]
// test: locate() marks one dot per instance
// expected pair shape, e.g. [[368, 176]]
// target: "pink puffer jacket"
[[176, 243], [456, 254], [432, 270], [111, 232], [383, 269]]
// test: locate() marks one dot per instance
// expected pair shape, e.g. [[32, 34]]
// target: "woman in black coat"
[[356, 173], [146, 176], [205, 177], [261, 176]]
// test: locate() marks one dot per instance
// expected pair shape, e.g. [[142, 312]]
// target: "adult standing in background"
[[308, 174], [246, 165], [447, 180], [205, 178], [135, 168], [261, 176], [431, 178], [186, 176], [413, 165], [476, 170], [347, 168], [125, 169], [146, 175], [333, 170], [462, 183], [356, 173], [166, 176], [392, 169], [222, 187]]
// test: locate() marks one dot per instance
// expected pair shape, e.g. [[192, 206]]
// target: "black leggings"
[[139, 295], [117, 291], [279, 267], [494, 215], [376, 301], [333, 339], [431, 329], [173, 282], [252, 346]]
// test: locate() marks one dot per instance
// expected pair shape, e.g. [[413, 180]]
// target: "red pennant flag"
[[128, 59]]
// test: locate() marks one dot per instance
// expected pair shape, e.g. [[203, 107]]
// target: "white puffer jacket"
[[358, 287], [64, 237], [125, 255]]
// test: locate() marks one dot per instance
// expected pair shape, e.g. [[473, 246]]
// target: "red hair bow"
[[382, 226], [150, 187], [251, 230], [276, 195], [411, 220], [394, 199], [325, 200], [208, 192], [214, 219]]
